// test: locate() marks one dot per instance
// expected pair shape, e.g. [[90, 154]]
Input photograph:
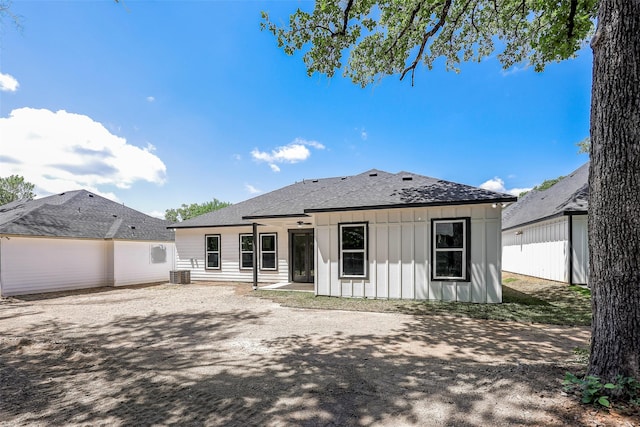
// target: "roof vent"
[[315, 180], [90, 195], [133, 227], [407, 178], [373, 174], [343, 178]]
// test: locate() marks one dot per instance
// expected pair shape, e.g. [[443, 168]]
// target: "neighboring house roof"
[[373, 189], [568, 196], [80, 214]]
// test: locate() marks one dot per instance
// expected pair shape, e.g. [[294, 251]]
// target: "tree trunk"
[[614, 186]]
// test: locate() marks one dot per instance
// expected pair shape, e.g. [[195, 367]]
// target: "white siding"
[[323, 263], [538, 250], [580, 246], [399, 254], [133, 263], [190, 255], [35, 265]]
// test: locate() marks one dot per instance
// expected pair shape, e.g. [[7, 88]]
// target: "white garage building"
[[77, 240], [544, 234]]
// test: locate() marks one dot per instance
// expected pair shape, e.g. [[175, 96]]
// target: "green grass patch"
[[581, 290], [525, 300], [509, 280]]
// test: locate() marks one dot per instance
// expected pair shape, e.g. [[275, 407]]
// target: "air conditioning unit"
[[180, 277]]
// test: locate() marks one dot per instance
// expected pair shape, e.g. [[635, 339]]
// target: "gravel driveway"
[[204, 354]]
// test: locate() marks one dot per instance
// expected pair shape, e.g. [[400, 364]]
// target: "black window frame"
[[275, 251], [207, 251], [365, 250], [465, 250], [241, 252]]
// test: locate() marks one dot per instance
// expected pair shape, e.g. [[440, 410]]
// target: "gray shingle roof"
[[80, 214], [373, 189], [569, 195]]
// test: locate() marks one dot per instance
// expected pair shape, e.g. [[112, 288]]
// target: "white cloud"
[[60, 151], [150, 99], [293, 152], [515, 69], [251, 189], [8, 83], [156, 214], [497, 184], [314, 144]]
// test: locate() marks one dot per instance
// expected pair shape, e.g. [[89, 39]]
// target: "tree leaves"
[[14, 187], [193, 210], [389, 37]]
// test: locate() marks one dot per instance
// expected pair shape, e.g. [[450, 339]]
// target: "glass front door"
[[302, 268]]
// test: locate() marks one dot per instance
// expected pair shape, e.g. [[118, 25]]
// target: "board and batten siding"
[[399, 255], [35, 265], [538, 250], [190, 254], [134, 263]]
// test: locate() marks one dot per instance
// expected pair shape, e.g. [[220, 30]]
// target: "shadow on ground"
[[205, 368]]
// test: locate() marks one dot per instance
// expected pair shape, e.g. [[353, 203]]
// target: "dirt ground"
[[205, 354]]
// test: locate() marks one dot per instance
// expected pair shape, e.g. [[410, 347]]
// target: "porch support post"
[[255, 256]]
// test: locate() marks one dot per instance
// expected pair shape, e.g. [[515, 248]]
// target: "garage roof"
[[569, 196], [80, 214]]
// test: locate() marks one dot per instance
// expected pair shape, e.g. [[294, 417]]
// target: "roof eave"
[[298, 215], [413, 205], [546, 218], [245, 224]]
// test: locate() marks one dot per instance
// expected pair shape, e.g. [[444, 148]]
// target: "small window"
[[451, 249], [212, 251], [246, 251], [268, 251], [353, 250]]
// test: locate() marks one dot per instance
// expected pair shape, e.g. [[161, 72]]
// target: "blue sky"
[[158, 103]]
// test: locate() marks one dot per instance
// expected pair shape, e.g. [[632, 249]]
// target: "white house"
[[545, 233], [79, 240], [372, 235]]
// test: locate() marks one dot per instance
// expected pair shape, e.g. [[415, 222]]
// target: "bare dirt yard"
[[213, 355]]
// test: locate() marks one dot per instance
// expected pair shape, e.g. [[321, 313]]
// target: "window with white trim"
[[353, 249], [246, 251], [451, 249], [212, 251], [269, 251]]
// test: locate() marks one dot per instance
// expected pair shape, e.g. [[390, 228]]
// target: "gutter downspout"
[[570, 244], [255, 256]]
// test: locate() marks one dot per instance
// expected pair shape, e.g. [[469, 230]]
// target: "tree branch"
[[345, 20], [406, 28], [455, 23], [571, 19], [425, 39]]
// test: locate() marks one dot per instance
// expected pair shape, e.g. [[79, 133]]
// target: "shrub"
[[595, 392]]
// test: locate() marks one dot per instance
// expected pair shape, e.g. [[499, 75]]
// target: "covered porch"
[[287, 286]]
